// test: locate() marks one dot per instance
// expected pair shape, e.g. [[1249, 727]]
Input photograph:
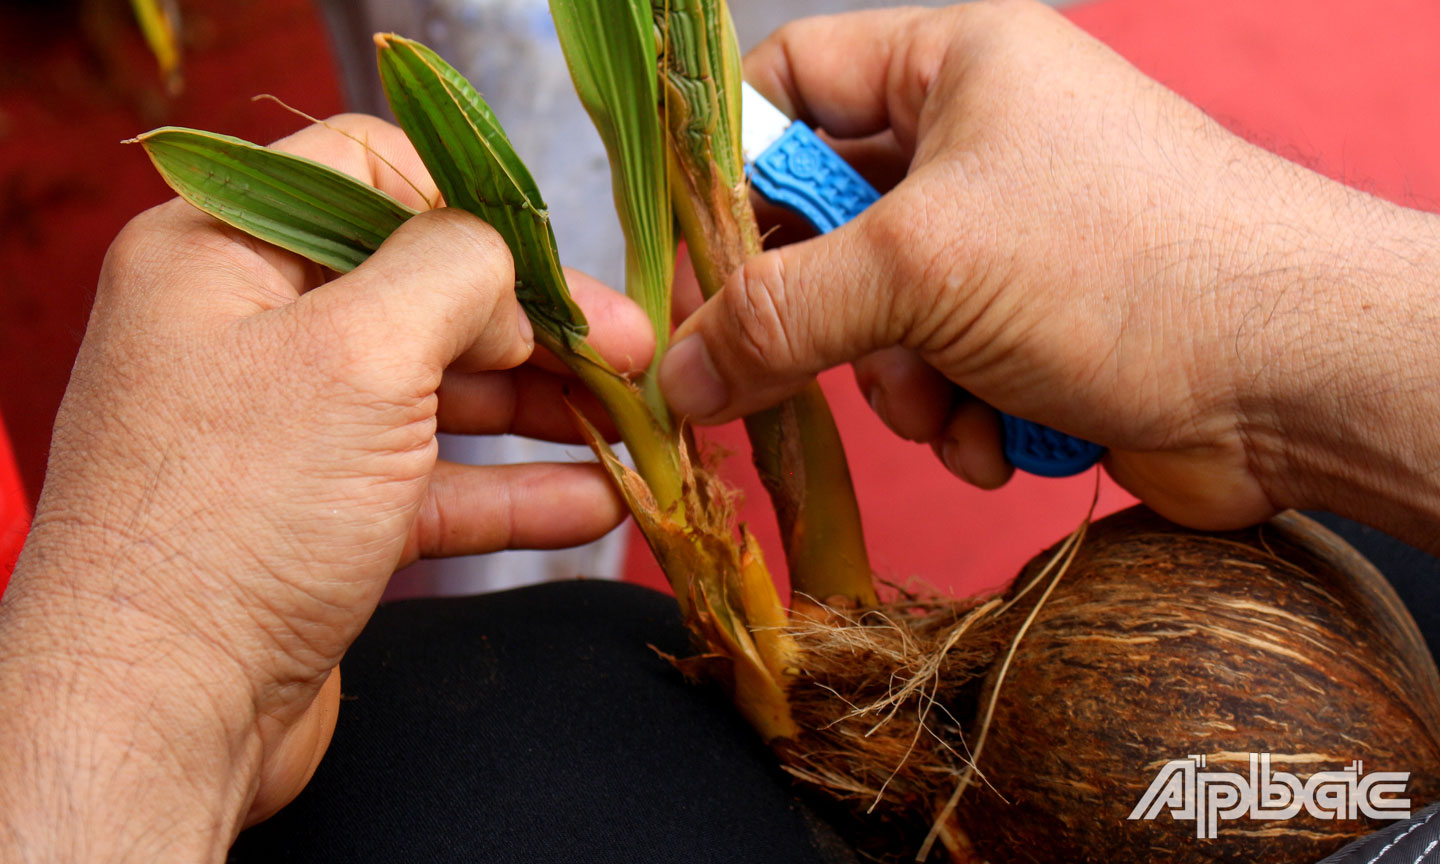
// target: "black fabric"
[[1416, 578], [1414, 574], [536, 725]]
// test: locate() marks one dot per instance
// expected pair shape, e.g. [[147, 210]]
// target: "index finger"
[[855, 74], [370, 150]]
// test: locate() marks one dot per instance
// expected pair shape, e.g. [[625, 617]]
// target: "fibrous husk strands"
[[1026, 728]]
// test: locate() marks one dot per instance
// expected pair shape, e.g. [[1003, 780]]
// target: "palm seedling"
[[1015, 727]]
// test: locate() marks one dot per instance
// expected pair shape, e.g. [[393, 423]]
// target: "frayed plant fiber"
[[888, 695]]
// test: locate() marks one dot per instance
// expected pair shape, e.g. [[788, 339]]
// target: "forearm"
[[115, 749], [1347, 414]]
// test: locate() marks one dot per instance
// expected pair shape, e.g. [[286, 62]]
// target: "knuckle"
[[352, 125], [355, 123], [916, 245], [475, 270], [756, 309], [473, 244], [900, 239], [1006, 7], [143, 253], [790, 33], [134, 244], [362, 131]]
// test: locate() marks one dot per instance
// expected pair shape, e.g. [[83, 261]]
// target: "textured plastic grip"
[[801, 172], [1043, 451]]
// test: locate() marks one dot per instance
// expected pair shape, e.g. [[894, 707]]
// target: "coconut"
[[1029, 727]]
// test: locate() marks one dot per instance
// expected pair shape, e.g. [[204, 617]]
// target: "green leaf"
[[290, 201], [724, 47], [476, 169], [610, 47], [702, 73]]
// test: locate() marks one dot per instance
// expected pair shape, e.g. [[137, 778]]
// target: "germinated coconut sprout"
[[888, 693], [1015, 728], [889, 668]]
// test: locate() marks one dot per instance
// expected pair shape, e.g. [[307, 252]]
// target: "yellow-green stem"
[[801, 461], [647, 434], [797, 448]]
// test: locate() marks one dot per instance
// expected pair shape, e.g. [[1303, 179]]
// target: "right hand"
[[1071, 243]]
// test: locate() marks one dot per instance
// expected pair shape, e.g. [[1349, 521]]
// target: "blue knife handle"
[[801, 172]]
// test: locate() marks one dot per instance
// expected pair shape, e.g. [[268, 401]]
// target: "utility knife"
[[789, 165]]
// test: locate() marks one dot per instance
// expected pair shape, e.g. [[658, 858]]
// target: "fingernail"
[[527, 330], [877, 403], [950, 455], [689, 380]]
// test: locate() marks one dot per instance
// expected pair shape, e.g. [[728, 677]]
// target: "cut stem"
[[796, 445], [801, 461]]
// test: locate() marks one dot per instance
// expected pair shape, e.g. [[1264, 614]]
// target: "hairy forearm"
[[1348, 415], [115, 749]]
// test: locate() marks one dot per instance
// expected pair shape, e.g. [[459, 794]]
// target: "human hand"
[[245, 453], [1071, 243]]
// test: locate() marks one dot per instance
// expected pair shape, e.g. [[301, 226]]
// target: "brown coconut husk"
[[883, 703], [908, 675], [1026, 727]]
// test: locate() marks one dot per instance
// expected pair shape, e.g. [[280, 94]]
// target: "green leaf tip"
[[477, 169], [292, 202], [611, 51]]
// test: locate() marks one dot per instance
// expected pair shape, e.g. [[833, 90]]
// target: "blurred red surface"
[[71, 90], [14, 512]]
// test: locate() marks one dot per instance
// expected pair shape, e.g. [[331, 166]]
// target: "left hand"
[[245, 454]]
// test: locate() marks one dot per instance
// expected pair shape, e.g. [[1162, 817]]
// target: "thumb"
[[441, 289], [787, 315]]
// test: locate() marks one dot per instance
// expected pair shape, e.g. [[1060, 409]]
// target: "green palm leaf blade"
[[475, 167], [295, 203], [703, 71], [724, 47], [610, 48]]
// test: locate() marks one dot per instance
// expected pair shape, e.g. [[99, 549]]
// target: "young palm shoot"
[[611, 51], [797, 448], [720, 579], [1008, 727]]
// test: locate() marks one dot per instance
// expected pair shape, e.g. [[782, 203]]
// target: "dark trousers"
[[538, 725]]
